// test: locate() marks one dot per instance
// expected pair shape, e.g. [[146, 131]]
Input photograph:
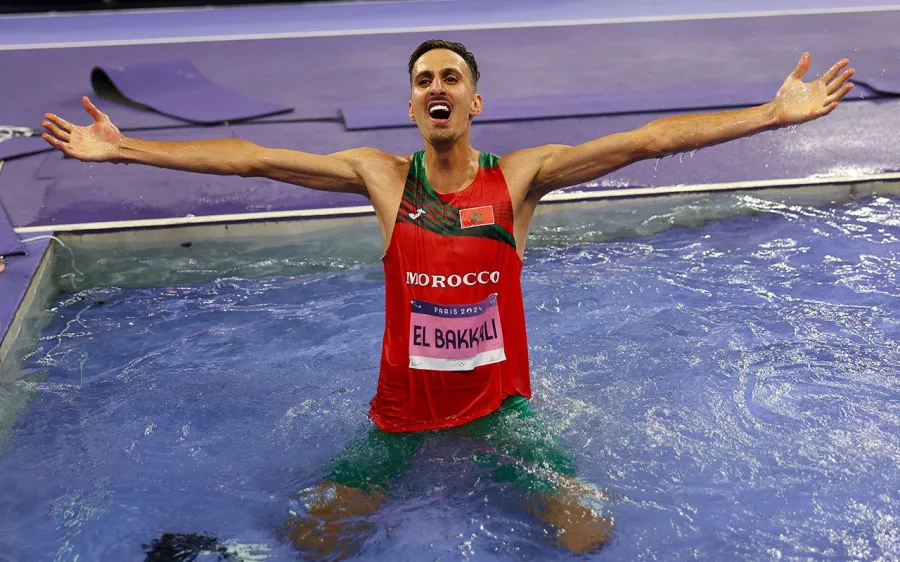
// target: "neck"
[[450, 167]]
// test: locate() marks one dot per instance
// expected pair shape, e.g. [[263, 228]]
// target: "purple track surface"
[[381, 15], [318, 76], [689, 98], [64, 191], [606, 60]]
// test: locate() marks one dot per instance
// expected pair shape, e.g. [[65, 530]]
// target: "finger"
[[92, 110], [839, 95], [833, 71], [62, 146], [50, 139], [60, 122], [829, 108], [55, 142], [56, 131], [834, 85], [802, 67]]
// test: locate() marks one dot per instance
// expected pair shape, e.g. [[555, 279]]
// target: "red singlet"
[[454, 339]]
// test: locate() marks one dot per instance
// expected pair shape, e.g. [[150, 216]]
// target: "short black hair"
[[457, 48]]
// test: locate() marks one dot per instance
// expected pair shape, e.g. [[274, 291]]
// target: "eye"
[[423, 82], [452, 79]]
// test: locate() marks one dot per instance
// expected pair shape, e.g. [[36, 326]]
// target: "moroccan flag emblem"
[[476, 216]]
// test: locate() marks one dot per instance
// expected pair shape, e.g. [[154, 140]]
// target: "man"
[[454, 222]]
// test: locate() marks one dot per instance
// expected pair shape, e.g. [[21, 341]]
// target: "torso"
[[386, 178], [457, 258]]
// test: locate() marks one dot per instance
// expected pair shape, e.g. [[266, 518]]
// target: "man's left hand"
[[798, 101]]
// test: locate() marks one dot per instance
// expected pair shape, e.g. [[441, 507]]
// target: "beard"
[[442, 136]]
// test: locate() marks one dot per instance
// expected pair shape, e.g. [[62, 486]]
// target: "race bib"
[[455, 337]]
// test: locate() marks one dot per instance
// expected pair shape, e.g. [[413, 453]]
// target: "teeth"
[[439, 106]]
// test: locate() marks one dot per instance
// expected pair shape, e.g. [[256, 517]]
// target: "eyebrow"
[[445, 70]]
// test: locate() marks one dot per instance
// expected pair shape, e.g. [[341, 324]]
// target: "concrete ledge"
[[27, 288]]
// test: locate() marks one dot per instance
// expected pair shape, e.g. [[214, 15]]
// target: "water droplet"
[[656, 167], [680, 157]]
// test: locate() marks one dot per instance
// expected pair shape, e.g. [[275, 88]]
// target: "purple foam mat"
[[68, 106], [176, 88], [686, 98], [64, 99], [9, 240], [22, 146], [878, 69]]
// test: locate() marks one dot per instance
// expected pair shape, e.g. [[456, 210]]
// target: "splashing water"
[[732, 387]]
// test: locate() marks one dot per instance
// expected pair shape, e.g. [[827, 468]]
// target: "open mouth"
[[439, 111]]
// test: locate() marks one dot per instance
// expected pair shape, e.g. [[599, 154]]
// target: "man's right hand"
[[98, 142]]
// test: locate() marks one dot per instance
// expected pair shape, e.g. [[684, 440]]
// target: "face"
[[443, 100]]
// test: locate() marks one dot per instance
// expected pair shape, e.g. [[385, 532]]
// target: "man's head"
[[443, 80]]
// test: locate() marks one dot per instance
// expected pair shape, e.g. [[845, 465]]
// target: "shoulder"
[[527, 162], [372, 156], [374, 165], [530, 157], [520, 167]]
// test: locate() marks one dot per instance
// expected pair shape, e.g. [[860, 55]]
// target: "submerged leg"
[[336, 522], [580, 529], [526, 453], [562, 501]]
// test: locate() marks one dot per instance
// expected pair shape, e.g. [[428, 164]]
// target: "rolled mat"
[[705, 97], [176, 88], [9, 240]]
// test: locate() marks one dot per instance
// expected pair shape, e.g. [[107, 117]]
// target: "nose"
[[437, 88]]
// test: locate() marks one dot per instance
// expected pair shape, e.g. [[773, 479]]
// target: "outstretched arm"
[[103, 142], [796, 102]]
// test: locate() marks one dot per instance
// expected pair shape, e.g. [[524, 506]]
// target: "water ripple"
[[731, 385]]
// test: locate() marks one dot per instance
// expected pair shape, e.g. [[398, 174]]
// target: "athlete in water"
[[453, 222]]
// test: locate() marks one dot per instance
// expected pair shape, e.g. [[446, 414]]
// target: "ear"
[[477, 106], [411, 116]]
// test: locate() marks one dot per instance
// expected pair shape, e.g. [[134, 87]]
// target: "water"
[[732, 385]]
